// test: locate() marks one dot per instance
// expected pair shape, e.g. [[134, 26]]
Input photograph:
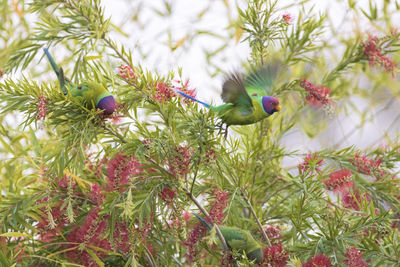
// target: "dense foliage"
[[79, 188]]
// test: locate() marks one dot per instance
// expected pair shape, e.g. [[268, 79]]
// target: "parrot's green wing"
[[234, 92], [259, 82]]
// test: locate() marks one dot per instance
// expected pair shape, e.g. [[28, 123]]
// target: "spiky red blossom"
[[352, 199], [96, 194], [121, 237], [311, 163], [274, 256], [168, 195], [373, 54], [91, 232], [354, 258], [210, 156], [184, 87], [126, 72], [195, 235], [318, 96], [120, 169], [368, 166], [274, 233], [339, 180], [218, 206], [162, 92], [1, 73], [319, 260], [287, 17], [179, 161], [47, 231], [42, 107], [186, 216]]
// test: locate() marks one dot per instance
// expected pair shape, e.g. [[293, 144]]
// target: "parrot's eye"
[[79, 87], [273, 103]]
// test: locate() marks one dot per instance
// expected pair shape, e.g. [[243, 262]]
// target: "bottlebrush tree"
[[79, 188]]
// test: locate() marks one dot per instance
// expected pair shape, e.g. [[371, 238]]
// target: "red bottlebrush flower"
[[168, 195], [179, 161], [317, 95], [354, 258], [218, 206], [274, 233], [339, 180], [162, 92], [42, 107], [210, 156], [288, 18], [352, 200], [121, 237], [184, 87], [194, 236], [91, 232], [96, 195], [367, 166], [1, 73], [311, 163], [126, 72], [186, 216], [373, 54], [120, 169], [319, 260], [50, 226], [274, 256]]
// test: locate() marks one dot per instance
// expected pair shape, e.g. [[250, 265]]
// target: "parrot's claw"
[[222, 130]]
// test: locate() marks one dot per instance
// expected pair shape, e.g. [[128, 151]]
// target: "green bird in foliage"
[[93, 93], [247, 97], [239, 240]]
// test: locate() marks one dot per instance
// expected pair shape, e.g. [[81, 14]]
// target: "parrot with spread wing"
[[246, 97], [92, 93], [239, 240]]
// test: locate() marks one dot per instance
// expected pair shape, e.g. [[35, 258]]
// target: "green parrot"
[[93, 93], [246, 96], [239, 240]]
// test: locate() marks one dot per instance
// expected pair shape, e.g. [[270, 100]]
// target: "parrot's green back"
[[241, 240], [232, 115], [93, 94]]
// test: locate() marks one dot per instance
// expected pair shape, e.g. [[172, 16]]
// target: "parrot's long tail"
[[56, 68], [206, 224], [191, 98]]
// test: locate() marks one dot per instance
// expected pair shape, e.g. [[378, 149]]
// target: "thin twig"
[[256, 218]]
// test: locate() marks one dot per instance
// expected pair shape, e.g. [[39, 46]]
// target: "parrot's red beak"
[[278, 108]]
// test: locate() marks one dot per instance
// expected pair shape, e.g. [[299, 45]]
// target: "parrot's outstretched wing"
[[259, 82], [234, 92]]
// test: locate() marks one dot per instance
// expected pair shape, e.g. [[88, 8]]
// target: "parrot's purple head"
[[270, 104], [107, 104]]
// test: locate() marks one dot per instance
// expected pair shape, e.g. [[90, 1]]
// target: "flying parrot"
[[91, 92], [246, 97], [239, 240]]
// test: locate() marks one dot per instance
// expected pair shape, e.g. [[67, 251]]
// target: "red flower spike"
[[352, 200], [120, 169], [319, 260], [274, 233], [339, 181], [368, 166], [218, 206], [311, 163], [168, 195], [126, 72], [179, 161], [318, 96], [194, 236], [288, 18], [373, 54], [184, 87], [354, 258], [274, 256], [162, 92], [42, 107]]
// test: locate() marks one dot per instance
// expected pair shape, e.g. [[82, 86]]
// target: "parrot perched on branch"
[[239, 240], [246, 97], [93, 93]]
